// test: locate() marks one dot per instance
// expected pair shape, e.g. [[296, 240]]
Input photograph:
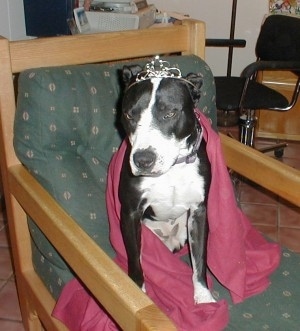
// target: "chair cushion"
[[279, 39], [277, 308], [66, 130], [229, 91]]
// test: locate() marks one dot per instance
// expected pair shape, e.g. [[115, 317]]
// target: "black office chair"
[[277, 48]]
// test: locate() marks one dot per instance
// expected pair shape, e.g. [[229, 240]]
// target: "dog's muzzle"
[[144, 160]]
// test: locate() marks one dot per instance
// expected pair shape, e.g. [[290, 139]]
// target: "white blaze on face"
[[149, 135]]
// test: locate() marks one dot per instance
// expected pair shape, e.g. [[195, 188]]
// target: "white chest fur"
[[171, 195]]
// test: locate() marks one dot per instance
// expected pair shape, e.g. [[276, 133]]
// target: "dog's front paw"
[[144, 288], [202, 294]]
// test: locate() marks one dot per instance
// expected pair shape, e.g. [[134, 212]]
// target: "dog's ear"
[[129, 74], [195, 86]]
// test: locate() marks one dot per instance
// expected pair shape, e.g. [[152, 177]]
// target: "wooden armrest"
[[270, 173], [128, 305]]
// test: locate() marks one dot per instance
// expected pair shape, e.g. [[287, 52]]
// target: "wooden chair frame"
[[129, 306]]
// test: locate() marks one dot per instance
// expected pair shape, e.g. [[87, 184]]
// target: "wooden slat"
[[7, 104], [45, 306], [68, 50], [196, 37]]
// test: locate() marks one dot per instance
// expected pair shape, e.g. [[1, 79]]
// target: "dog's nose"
[[144, 159]]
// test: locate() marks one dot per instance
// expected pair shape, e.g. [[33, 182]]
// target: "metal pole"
[[232, 29]]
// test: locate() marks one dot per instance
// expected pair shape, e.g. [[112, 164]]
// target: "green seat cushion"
[[277, 308]]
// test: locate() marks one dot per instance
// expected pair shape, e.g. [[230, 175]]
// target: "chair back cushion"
[[279, 39]]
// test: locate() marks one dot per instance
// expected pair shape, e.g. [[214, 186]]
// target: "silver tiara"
[[158, 68]]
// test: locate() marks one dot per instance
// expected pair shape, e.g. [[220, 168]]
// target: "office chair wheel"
[[279, 153], [278, 149]]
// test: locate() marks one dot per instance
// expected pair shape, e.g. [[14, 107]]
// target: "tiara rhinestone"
[[158, 68]]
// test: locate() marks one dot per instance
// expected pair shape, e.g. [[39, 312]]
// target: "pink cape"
[[238, 256]]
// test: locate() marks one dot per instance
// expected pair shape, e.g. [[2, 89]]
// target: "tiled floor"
[[10, 317], [272, 215]]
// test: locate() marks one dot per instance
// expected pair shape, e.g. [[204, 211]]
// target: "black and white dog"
[[165, 175]]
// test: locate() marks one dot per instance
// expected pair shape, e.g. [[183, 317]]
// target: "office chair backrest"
[[279, 39]]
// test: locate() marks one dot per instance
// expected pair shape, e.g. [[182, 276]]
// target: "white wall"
[[217, 14], [12, 21]]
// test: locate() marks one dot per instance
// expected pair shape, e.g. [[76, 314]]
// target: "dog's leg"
[[131, 231], [131, 214], [197, 233]]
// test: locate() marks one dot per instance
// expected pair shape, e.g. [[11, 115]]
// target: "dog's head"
[[158, 117]]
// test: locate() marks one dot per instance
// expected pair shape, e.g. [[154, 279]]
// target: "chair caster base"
[[278, 149]]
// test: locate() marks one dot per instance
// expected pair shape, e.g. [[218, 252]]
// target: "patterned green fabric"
[[66, 130], [276, 309]]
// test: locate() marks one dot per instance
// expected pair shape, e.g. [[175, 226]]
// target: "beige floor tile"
[[7, 325], [9, 305], [6, 269]]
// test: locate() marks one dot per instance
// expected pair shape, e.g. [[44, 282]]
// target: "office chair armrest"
[[254, 67]]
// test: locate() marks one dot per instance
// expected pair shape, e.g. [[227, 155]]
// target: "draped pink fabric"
[[238, 256]]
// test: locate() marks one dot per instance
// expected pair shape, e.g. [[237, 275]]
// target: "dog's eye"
[[170, 115], [128, 116]]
